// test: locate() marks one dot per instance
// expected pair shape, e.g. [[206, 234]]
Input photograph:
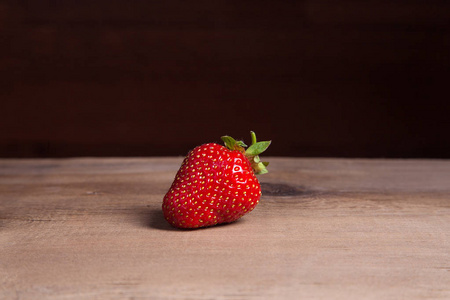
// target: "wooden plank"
[[324, 229]]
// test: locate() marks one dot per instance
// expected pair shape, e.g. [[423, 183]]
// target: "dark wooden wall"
[[318, 77]]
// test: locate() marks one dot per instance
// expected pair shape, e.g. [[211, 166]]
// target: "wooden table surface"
[[92, 228]]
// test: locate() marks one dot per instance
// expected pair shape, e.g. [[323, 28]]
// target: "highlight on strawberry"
[[216, 184]]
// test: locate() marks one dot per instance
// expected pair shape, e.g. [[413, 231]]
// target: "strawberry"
[[215, 184]]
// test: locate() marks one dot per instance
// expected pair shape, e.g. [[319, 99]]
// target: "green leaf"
[[257, 148], [265, 163], [230, 143], [260, 169], [242, 144]]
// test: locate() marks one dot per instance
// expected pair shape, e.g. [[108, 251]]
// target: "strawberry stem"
[[253, 137]]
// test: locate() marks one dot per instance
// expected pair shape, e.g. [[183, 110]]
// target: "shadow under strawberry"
[[153, 218], [281, 189]]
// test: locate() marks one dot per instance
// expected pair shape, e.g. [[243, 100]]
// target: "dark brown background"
[[319, 78]]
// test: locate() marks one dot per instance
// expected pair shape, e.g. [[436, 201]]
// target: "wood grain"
[[324, 229]]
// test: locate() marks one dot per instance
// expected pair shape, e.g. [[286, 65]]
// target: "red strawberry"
[[215, 184]]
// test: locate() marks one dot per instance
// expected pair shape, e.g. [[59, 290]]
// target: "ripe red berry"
[[215, 184]]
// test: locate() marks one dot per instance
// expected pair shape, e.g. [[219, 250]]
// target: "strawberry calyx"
[[252, 153], [232, 144]]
